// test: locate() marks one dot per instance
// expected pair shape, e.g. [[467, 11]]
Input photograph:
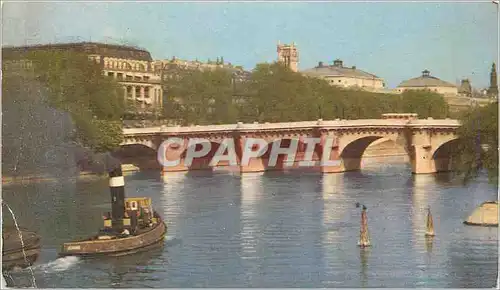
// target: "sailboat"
[[429, 228]]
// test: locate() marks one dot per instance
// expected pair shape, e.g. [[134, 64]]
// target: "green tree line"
[[273, 93], [68, 82], [477, 148]]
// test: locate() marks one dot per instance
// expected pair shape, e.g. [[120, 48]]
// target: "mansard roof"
[[104, 49], [337, 69]]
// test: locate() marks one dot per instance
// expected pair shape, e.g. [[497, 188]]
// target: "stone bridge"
[[427, 141]]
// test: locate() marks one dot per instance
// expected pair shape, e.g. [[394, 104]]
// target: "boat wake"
[[171, 240], [58, 265]]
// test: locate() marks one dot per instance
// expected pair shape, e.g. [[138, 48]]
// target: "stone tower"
[[493, 89], [465, 88], [289, 56]]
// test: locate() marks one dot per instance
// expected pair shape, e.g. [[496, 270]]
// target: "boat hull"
[[13, 255], [117, 247], [16, 259]]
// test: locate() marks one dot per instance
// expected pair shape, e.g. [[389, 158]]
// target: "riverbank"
[[83, 175], [27, 179]]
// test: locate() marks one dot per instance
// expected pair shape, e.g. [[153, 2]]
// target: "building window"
[[111, 74], [137, 78], [128, 78], [146, 92], [146, 78], [120, 75]]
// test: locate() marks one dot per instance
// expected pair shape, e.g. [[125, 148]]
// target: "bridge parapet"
[[362, 123], [443, 123], [351, 138]]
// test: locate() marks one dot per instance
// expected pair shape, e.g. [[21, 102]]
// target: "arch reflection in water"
[[334, 206], [423, 196], [336, 226], [251, 193], [173, 202]]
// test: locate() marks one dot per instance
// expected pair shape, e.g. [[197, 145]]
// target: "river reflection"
[[272, 230]]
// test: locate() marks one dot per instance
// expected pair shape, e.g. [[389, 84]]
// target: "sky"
[[395, 41]]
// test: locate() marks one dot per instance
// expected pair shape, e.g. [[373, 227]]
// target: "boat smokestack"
[[364, 239], [117, 190], [429, 228]]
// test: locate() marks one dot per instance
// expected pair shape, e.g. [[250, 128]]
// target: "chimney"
[[337, 63], [320, 64], [117, 190]]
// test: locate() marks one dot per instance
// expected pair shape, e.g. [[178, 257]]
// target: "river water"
[[278, 229]]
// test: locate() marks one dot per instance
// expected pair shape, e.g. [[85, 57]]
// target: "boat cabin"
[[138, 211]]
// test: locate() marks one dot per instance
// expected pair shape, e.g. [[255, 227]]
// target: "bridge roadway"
[[427, 141]]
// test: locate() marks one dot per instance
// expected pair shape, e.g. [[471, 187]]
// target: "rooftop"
[[338, 69], [104, 49], [238, 71], [425, 80]]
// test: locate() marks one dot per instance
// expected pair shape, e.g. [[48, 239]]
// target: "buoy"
[[364, 240], [429, 230]]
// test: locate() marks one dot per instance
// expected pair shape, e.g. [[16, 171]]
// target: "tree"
[[477, 146], [281, 95], [200, 97], [274, 93], [425, 103], [75, 85]]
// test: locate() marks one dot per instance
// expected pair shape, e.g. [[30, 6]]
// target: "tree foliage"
[[274, 93], [76, 85], [477, 147], [200, 97], [425, 103]]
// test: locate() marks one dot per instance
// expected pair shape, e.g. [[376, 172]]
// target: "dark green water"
[[271, 230]]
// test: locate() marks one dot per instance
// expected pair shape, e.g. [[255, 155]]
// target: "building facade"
[[336, 74], [465, 89], [168, 68], [428, 82], [131, 67]]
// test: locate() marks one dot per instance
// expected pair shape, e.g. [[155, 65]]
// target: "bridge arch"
[[137, 141], [442, 156], [352, 151], [444, 145], [142, 156]]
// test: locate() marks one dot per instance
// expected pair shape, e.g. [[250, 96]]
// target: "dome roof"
[[425, 80], [337, 69]]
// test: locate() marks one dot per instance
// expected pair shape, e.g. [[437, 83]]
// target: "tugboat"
[[133, 226], [17, 254]]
